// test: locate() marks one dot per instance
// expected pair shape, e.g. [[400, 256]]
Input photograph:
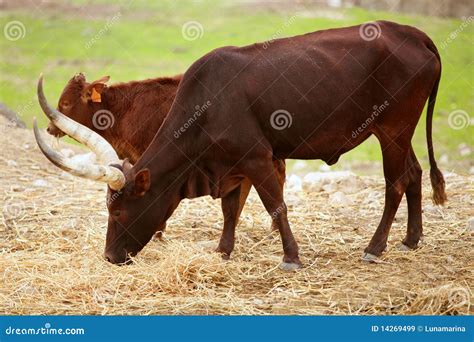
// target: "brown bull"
[[128, 115], [326, 83]]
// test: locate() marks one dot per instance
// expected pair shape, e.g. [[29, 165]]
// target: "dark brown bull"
[[128, 115], [328, 82]]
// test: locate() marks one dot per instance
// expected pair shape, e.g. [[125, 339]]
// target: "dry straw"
[[52, 237]]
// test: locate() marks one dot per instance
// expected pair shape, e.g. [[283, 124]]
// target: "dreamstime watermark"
[[108, 25], [46, 330], [370, 31], [454, 34], [110, 199], [459, 119], [14, 30], [103, 119], [375, 113], [459, 297], [278, 211], [192, 30], [278, 33], [281, 119], [199, 110], [13, 210]]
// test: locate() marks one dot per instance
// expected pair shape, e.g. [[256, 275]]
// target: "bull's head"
[[135, 212], [79, 101]]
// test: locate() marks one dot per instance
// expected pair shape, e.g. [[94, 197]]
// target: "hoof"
[[405, 248], [290, 266], [370, 258], [224, 255]]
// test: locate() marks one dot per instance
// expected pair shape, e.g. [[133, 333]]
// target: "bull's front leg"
[[231, 210]]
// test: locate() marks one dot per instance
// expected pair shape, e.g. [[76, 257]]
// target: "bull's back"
[[323, 85]]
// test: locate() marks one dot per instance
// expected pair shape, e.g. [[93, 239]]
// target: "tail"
[[437, 179]]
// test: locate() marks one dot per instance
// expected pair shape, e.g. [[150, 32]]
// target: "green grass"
[[146, 41]]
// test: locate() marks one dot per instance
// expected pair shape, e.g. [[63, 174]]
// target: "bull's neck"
[[133, 129], [112, 111]]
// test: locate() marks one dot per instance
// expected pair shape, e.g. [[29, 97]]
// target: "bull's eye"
[[116, 213]]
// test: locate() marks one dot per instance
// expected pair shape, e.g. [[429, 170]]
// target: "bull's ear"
[[93, 92], [142, 182]]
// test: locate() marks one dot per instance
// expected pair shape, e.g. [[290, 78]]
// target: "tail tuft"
[[437, 183]]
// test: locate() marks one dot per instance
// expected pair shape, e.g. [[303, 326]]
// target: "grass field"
[[136, 39]]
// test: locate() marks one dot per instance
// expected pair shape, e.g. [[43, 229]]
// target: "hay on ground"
[[53, 230]]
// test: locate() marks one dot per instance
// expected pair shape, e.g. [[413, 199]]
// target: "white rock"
[[292, 200], [432, 209], [12, 163], [339, 198], [444, 159], [330, 187], [464, 150], [351, 185], [325, 177], [325, 168], [41, 183], [294, 183], [471, 170], [299, 165]]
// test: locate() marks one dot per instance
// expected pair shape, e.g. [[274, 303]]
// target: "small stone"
[[431, 209], [299, 165], [12, 163], [325, 168], [444, 159], [40, 183], [464, 150], [330, 187], [470, 224], [339, 199], [294, 183]]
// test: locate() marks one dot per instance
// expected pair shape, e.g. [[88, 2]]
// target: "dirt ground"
[[53, 228]]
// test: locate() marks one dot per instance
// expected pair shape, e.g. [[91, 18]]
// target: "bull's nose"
[[116, 259]]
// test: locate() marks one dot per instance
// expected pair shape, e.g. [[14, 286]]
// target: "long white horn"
[[108, 174], [104, 151]]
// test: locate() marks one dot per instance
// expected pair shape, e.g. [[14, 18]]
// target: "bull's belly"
[[326, 147]]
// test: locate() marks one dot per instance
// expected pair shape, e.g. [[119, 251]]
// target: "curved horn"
[[104, 151], [108, 174]]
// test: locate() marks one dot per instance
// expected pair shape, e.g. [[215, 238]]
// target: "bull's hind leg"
[[413, 194], [395, 165], [265, 179]]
